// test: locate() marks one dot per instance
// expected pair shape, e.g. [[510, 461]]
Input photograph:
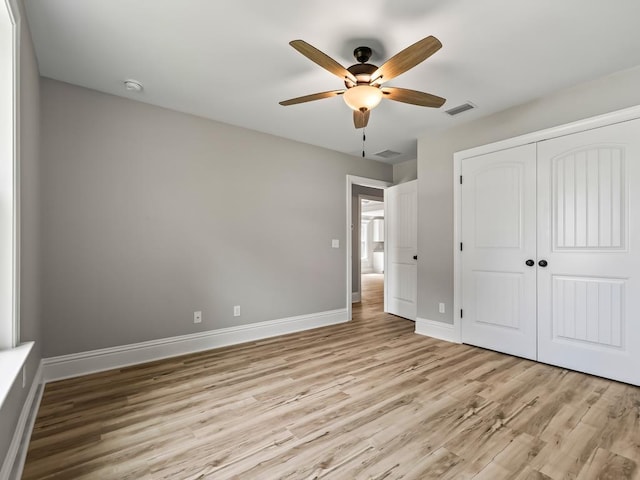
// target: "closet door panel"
[[588, 232], [498, 234]]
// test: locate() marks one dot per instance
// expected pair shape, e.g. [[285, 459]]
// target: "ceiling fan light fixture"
[[363, 81], [362, 97]]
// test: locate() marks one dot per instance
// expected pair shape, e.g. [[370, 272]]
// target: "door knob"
[[543, 263], [530, 263], [415, 257]]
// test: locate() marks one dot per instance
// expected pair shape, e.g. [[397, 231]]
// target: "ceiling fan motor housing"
[[362, 72]]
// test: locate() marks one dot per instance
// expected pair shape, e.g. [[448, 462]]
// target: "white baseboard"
[[439, 330], [355, 297], [17, 453], [67, 366]]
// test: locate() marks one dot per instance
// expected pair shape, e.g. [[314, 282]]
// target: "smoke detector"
[[133, 86]]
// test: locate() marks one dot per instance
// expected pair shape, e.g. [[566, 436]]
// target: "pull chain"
[[364, 137]]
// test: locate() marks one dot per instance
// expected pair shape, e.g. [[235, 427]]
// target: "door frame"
[[364, 182], [453, 332]]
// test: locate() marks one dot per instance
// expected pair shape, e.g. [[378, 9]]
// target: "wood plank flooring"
[[368, 399]]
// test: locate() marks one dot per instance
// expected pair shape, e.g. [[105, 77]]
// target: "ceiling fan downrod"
[[362, 54]]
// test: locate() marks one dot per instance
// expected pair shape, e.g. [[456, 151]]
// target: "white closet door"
[[499, 235], [589, 234], [401, 275]]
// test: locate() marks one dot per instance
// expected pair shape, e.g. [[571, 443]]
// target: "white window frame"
[[9, 180]]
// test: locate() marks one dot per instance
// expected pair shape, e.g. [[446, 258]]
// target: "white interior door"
[[401, 274], [589, 234], [498, 209]]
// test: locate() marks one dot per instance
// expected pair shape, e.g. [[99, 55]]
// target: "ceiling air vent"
[[460, 108], [387, 154]]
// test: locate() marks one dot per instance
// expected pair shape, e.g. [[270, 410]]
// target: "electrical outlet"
[[197, 317], [236, 311], [335, 243], [441, 307]]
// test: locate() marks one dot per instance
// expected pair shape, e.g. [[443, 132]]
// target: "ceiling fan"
[[363, 81]]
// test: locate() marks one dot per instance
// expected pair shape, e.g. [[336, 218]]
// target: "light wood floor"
[[367, 399]]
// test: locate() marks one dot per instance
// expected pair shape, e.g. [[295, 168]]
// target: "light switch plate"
[[335, 243]]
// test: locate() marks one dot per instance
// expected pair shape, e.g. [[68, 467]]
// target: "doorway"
[[369, 189], [371, 251]]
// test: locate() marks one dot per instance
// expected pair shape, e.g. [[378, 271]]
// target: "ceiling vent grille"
[[387, 154], [460, 108]]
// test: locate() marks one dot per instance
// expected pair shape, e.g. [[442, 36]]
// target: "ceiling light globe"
[[362, 97]]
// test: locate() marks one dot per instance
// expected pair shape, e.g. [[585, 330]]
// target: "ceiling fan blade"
[[312, 97], [360, 118], [413, 97], [406, 59], [322, 59]]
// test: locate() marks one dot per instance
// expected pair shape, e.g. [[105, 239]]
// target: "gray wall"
[[356, 190], [30, 236], [435, 170], [151, 214], [405, 171]]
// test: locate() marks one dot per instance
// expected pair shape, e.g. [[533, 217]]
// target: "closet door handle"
[[543, 263], [530, 263]]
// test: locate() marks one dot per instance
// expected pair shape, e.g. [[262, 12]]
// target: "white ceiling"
[[230, 60]]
